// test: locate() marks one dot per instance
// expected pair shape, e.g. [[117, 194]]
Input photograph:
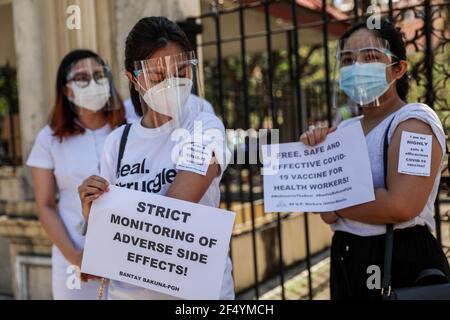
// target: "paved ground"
[[297, 287]]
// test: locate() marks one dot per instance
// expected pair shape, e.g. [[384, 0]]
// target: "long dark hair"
[[393, 36], [62, 118], [146, 37]]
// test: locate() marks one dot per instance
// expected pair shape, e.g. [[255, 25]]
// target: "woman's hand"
[[75, 258], [86, 277], [316, 135], [91, 189], [329, 217]]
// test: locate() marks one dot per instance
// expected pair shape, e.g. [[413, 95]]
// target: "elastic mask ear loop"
[[135, 82], [69, 86], [389, 65]]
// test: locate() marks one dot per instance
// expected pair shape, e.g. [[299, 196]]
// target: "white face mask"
[[94, 97], [169, 96]]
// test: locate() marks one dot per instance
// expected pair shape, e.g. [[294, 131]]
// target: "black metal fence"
[[280, 76]]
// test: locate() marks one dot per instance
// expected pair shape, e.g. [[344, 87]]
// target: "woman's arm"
[[190, 186], [406, 195], [329, 217], [45, 194]]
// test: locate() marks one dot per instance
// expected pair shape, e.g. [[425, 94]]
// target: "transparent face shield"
[[362, 72], [165, 85], [90, 86]]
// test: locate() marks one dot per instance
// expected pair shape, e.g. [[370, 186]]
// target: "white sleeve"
[[208, 107], [40, 155], [211, 141], [215, 136], [423, 113]]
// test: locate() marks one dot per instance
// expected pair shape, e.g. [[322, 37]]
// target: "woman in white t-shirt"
[[87, 109], [161, 68], [373, 73]]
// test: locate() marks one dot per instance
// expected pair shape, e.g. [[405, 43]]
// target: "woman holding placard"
[[148, 156], [87, 108], [373, 73]]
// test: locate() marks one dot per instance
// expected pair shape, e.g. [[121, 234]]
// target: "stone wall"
[[6, 289], [27, 238]]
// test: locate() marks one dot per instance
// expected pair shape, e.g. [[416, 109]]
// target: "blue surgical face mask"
[[364, 82]]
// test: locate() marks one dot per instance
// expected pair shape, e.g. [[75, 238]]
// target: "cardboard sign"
[[330, 176], [159, 243]]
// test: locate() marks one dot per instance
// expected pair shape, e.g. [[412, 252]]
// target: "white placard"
[[330, 176], [415, 154], [159, 243]]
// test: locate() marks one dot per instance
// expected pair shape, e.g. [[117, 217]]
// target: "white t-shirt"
[[72, 160], [375, 141], [193, 103], [147, 165]]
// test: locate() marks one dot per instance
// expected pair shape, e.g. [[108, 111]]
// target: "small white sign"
[[159, 243], [194, 157], [330, 176], [415, 154]]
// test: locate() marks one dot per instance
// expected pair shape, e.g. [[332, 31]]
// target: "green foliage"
[[8, 91], [312, 81]]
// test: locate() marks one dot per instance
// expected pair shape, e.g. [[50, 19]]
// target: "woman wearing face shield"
[[162, 70], [373, 73], [87, 108]]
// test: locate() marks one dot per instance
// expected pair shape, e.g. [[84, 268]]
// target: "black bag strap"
[[123, 143], [431, 273], [389, 242]]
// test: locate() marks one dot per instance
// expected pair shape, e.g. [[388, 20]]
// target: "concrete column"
[[8, 51], [95, 33], [31, 69]]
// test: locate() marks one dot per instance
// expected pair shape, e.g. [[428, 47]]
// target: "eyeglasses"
[[82, 79], [364, 55]]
